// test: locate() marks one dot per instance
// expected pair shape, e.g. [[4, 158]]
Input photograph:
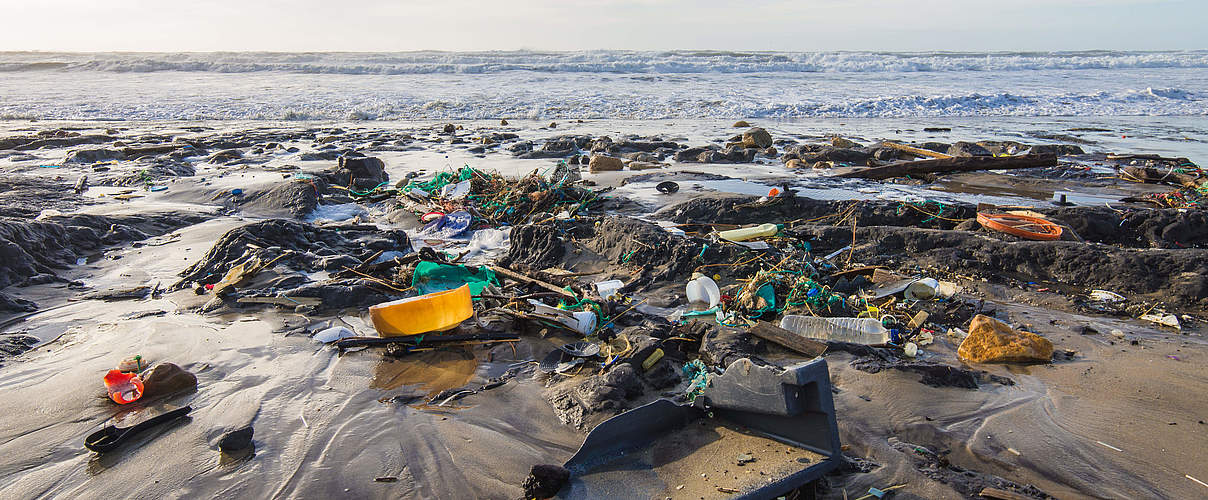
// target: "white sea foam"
[[599, 84], [666, 62]]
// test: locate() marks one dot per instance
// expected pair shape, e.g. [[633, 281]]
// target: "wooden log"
[[944, 165], [787, 339], [915, 151]]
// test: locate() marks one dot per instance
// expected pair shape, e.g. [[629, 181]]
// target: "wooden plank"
[[915, 151], [787, 339], [944, 165]]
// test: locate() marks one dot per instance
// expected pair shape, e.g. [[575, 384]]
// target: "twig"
[[520, 277]]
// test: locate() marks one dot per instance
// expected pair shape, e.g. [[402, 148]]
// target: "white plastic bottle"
[[866, 331]]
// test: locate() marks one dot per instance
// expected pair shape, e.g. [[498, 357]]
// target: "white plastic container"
[[750, 233], [922, 289], [866, 331], [703, 289], [608, 288]]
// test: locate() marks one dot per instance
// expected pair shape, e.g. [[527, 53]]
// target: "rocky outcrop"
[[359, 171], [166, 379], [968, 149], [756, 138], [93, 155], [992, 341], [601, 163]]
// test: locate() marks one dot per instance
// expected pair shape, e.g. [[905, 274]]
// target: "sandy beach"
[[96, 271]]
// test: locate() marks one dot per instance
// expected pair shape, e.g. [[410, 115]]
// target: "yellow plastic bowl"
[[427, 313]]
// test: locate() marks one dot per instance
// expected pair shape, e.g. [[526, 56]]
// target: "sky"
[[778, 25]]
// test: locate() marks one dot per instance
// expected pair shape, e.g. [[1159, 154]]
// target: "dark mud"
[[874, 359], [902, 239], [651, 253], [936, 466], [32, 249]]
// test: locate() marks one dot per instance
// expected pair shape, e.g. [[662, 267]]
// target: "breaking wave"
[[650, 62]]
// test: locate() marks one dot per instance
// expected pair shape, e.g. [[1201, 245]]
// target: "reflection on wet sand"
[[431, 371]]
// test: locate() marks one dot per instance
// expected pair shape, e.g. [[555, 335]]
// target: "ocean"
[[620, 85]]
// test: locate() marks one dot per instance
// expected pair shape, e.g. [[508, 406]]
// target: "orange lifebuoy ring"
[[1032, 228]]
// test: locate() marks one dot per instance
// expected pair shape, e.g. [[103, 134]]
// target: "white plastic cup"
[[703, 289], [922, 289]]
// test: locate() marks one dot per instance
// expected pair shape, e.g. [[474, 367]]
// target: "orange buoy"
[[433, 312], [1023, 226], [123, 387]]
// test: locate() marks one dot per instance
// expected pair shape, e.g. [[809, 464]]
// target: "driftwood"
[[915, 151], [956, 164], [543, 284], [427, 340], [1002, 494], [787, 339]]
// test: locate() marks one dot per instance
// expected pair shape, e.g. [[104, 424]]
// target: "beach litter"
[[110, 437]]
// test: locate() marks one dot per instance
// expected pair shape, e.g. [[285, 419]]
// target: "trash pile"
[[452, 202]]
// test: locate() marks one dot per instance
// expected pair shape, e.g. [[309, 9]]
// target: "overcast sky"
[[799, 25]]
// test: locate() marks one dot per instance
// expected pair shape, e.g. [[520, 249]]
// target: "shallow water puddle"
[[432, 371]]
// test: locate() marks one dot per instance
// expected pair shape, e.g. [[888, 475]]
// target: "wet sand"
[[329, 425]]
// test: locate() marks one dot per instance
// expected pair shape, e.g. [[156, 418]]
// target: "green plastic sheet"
[[432, 277]]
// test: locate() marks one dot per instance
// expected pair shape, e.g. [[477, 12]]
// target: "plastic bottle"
[[866, 331], [750, 233]]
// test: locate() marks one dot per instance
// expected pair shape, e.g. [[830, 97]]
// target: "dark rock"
[[938, 147], [61, 141], [968, 149], [1057, 149], [225, 156], [503, 122], [259, 238], [236, 440], [1003, 147], [663, 374], [521, 147], [363, 172], [12, 344], [165, 379], [450, 128], [689, 155], [757, 138], [885, 154], [723, 346], [816, 153], [40, 247], [155, 173], [12, 304], [93, 155], [290, 199], [624, 377], [120, 232], [738, 154], [636, 146], [544, 481]]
